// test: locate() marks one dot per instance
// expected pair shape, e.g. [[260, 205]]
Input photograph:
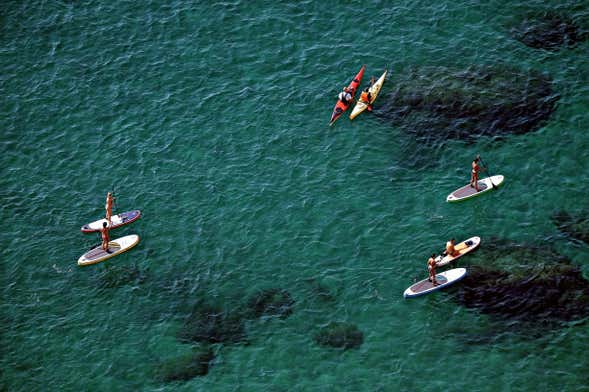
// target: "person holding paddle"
[[431, 267], [474, 176], [346, 95], [109, 203]]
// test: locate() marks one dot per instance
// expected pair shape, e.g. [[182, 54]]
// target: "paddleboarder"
[[431, 267], [450, 250], [105, 237], [109, 203], [474, 176]]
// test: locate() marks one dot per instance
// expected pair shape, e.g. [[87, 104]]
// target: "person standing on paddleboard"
[[109, 202], [474, 176], [431, 267], [105, 237]]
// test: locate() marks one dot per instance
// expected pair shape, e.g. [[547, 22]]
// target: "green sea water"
[[212, 119]]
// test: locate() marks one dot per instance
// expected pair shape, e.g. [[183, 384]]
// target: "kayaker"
[[366, 97], [346, 95], [105, 237], [431, 267], [109, 202], [474, 175], [450, 250]]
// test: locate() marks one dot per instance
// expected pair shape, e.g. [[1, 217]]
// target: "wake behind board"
[[117, 220], [116, 247], [467, 192], [444, 279], [461, 249]]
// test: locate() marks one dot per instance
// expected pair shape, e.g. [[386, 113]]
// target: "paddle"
[[488, 171]]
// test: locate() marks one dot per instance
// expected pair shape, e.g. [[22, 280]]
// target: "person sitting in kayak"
[[366, 97], [474, 176], [346, 96], [431, 267], [450, 250], [108, 207], [105, 237]]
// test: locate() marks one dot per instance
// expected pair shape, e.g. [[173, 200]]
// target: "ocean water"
[[212, 119]]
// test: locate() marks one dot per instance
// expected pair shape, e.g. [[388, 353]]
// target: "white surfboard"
[[461, 249], [444, 279], [115, 247], [467, 192]]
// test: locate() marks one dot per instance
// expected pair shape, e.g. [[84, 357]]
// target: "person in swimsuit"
[[105, 237], [109, 202], [346, 95], [431, 267], [450, 250], [474, 174]]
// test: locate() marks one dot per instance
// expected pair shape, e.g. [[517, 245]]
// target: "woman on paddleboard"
[[105, 237], [109, 202], [431, 267], [474, 176]]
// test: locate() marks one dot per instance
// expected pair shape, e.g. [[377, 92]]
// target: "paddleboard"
[[374, 90], [341, 107], [117, 220], [467, 192], [444, 279], [116, 247], [461, 248]]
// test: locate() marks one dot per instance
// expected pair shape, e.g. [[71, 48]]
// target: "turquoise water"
[[211, 117]]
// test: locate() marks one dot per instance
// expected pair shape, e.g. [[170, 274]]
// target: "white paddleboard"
[[467, 192], [115, 247], [117, 220], [444, 279], [461, 249]]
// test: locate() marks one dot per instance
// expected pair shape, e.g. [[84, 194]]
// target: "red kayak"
[[340, 107]]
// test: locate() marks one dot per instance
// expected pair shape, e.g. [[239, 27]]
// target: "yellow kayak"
[[374, 90]]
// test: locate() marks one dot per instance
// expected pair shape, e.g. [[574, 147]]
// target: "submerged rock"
[[186, 367], [527, 283], [575, 226], [435, 104], [556, 294], [548, 30], [213, 325], [271, 302], [340, 335]]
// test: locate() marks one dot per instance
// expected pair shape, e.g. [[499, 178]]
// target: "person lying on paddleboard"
[[105, 237], [109, 202], [431, 267], [450, 249], [346, 95], [474, 176]]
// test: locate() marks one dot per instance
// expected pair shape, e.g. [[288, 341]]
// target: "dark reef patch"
[[210, 324], [436, 104], [186, 367], [525, 283], [339, 335], [575, 226], [271, 302], [548, 30]]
